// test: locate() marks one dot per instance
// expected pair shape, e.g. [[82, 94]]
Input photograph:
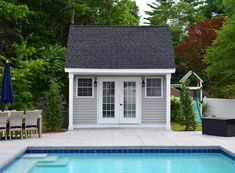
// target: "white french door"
[[129, 100], [108, 103], [119, 100]]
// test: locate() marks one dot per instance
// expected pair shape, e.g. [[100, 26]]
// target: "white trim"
[[176, 85], [100, 98], [168, 101], [135, 120], [89, 71], [194, 88], [145, 80], [120, 126], [71, 78], [186, 76], [189, 87], [141, 104], [118, 100], [97, 101], [84, 77]]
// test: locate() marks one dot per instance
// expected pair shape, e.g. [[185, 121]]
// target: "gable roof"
[[120, 47], [186, 76]]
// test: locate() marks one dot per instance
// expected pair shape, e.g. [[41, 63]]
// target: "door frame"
[[118, 114], [100, 119], [123, 120]]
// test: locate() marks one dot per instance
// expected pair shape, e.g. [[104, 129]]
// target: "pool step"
[[48, 159], [34, 156], [58, 163], [23, 166]]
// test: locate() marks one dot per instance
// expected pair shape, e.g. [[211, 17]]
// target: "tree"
[[48, 21], [31, 72], [176, 115], [52, 110], [161, 11], [229, 7], [213, 8], [11, 18], [113, 12], [22, 86], [50, 65], [221, 56], [179, 15], [189, 53], [20, 77], [187, 109], [33, 36]]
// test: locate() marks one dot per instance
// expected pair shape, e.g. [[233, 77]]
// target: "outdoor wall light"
[[95, 83], [143, 83]]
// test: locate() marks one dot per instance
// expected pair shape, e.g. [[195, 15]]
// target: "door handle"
[[120, 104]]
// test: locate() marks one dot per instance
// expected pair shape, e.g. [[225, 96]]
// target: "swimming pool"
[[123, 160]]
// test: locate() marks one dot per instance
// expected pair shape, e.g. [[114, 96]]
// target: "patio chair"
[[39, 111], [3, 123], [31, 122], [15, 122]]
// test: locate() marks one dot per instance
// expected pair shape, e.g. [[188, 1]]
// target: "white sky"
[[143, 7]]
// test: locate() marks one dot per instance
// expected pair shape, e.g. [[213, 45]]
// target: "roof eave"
[[86, 71]]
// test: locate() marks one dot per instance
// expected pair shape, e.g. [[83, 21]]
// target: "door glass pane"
[[129, 99], [108, 107]]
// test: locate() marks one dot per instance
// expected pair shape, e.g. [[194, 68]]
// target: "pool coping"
[[117, 149]]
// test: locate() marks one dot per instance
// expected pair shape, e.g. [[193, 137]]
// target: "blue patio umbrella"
[[7, 92]]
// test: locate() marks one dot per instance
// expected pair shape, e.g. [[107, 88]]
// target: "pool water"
[[124, 163]]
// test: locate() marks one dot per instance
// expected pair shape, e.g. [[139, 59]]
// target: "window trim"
[[146, 87], [84, 77]]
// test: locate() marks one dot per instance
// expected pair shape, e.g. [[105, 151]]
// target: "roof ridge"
[[119, 26]]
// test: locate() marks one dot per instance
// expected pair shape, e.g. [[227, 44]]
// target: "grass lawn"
[[180, 127]]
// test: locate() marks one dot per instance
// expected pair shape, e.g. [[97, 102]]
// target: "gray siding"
[[84, 109], [154, 109]]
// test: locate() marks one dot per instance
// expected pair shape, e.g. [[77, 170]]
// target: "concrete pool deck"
[[142, 137]]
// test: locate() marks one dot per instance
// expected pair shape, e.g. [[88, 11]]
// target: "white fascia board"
[[85, 71]]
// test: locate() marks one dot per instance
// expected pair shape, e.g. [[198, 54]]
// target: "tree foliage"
[[187, 109], [213, 8], [194, 25], [52, 110], [176, 115], [114, 12], [178, 14], [189, 53], [221, 56], [33, 36]]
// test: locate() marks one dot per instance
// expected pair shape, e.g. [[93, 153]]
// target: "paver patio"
[[115, 137]]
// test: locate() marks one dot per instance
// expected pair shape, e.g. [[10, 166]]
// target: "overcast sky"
[[143, 7]]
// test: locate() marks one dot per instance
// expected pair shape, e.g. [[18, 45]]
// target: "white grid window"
[[129, 99], [108, 99], [154, 87], [84, 87]]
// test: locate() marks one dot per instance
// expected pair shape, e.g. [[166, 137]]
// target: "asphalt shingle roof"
[[120, 47]]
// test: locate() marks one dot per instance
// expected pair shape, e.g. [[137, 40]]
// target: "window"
[[154, 87], [85, 87]]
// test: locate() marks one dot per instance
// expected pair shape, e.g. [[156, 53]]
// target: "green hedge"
[[176, 115]]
